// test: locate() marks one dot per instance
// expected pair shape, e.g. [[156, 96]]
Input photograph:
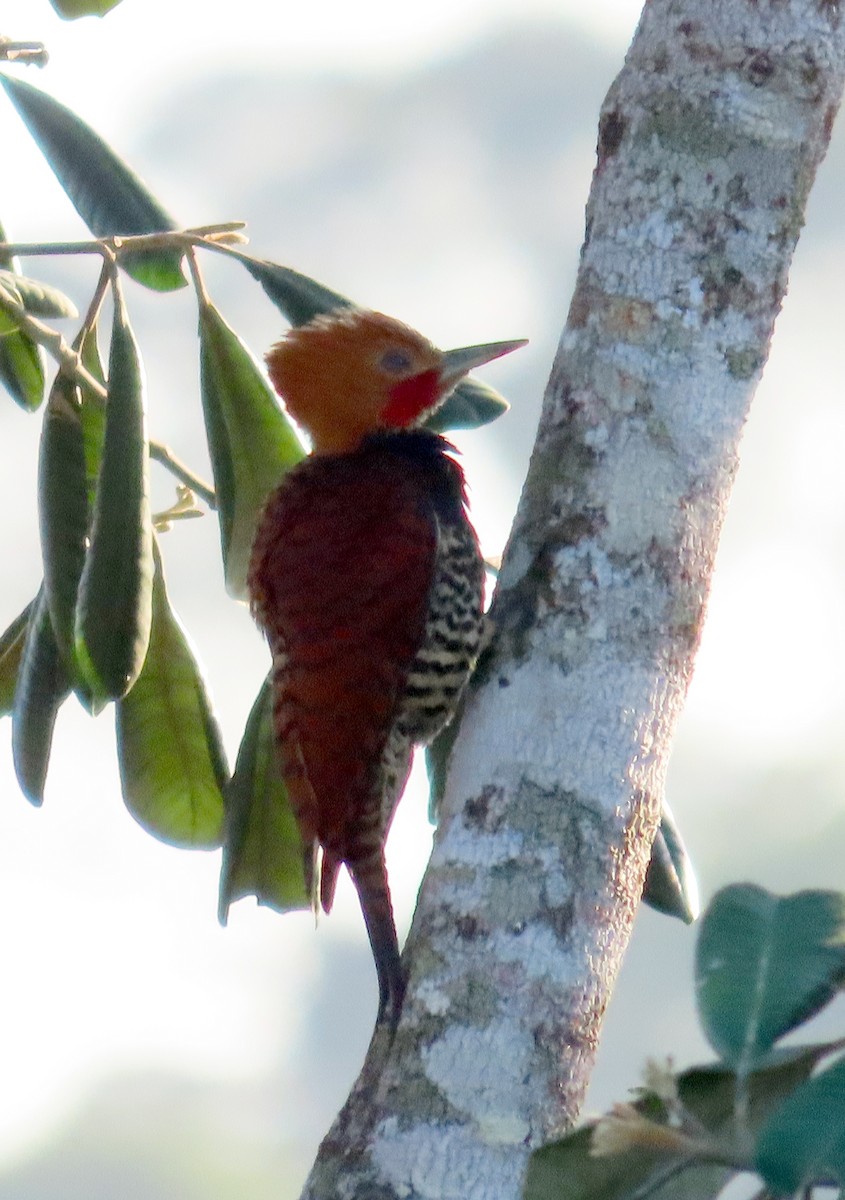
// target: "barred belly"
[[453, 640]]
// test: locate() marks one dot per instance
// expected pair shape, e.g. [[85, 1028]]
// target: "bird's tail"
[[329, 868], [369, 875]]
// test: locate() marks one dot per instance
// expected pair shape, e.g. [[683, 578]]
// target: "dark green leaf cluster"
[[765, 964], [102, 625]]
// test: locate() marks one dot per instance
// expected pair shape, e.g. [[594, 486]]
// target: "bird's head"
[[349, 373]]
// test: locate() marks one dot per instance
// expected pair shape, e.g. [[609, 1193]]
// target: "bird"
[[367, 578]]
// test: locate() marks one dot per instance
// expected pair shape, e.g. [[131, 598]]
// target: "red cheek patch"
[[410, 398]]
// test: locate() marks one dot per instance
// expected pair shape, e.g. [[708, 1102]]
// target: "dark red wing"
[[340, 579]]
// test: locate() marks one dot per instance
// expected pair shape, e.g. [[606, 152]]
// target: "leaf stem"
[[97, 299], [199, 282]]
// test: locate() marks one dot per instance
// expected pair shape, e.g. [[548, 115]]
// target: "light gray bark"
[[708, 144]]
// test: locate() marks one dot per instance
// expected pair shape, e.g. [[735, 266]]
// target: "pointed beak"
[[457, 363]]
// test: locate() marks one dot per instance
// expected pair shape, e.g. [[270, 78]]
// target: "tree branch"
[[28, 53], [708, 144]]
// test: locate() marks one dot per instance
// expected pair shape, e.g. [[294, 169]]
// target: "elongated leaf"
[[69, 466], [42, 688], [114, 608], [106, 193], [710, 1090], [38, 298], [11, 652], [71, 9], [262, 849], [93, 413], [765, 964], [670, 884], [21, 361], [63, 510], [7, 261], [22, 370], [251, 441], [9, 294], [301, 298], [437, 755], [804, 1141], [172, 762], [566, 1170]]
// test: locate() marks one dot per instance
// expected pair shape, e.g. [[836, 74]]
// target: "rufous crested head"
[[349, 373]]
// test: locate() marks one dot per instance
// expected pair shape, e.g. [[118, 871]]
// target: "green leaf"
[[670, 884], [566, 1170], [804, 1141], [470, 405], [106, 193], [9, 321], [68, 469], [299, 297], [114, 607], [63, 510], [251, 442], [11, 653], [71, 9], [22, 370], [38, 298], [710, 1090], [93, 412], [21, 360], [172, 762], [765, 964], [262, 849], [437, 755], [42, 688], [7, 261]]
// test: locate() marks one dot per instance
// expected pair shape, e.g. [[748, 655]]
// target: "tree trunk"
[[708, 144]]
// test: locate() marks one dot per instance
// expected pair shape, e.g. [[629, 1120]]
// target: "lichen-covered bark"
[[708, 144]]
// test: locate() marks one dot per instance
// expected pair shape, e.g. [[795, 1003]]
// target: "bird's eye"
[[395, 361]]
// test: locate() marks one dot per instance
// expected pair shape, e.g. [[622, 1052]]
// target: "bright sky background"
[[147, 39], [53, 1038]]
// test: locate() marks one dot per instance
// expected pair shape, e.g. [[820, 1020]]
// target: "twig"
[[215, 237], [164, 455], [30, 53], [33, 249], [184, 509]]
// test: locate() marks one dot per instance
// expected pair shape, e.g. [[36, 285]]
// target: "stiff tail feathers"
[[329, 870], [369, 875]]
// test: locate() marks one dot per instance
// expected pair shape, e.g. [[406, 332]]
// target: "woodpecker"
[[367, 578]]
